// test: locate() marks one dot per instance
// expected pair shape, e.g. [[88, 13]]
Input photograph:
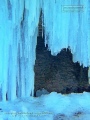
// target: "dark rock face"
[[58, 73]]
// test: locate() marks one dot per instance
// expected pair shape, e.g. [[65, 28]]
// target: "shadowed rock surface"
[[58, 73]]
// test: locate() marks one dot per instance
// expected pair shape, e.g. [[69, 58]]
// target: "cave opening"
[[58, 73]]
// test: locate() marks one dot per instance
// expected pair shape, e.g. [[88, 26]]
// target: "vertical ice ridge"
[[18, 36], [66, 24]]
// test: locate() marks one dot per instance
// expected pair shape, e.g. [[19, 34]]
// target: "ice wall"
[[67, 24], [18, 34]]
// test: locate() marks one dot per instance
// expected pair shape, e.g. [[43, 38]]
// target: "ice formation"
[[66, 24], [18, 35]]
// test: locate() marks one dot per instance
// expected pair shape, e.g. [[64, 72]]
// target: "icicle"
[[31, 25], [56, 25], [68, 26], [17, 49]]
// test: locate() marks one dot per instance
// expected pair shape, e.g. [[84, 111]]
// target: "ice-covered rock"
[[41, 92]]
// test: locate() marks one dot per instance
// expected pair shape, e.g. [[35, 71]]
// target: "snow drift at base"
[[48, 107]]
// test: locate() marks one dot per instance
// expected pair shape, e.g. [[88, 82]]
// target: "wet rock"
[[58, 73]]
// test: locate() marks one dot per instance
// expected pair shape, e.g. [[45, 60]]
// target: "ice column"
[[18, 34]]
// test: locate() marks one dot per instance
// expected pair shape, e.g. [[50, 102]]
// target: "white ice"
[[53, 106], [67, 24], [18, 38], [18, 34]]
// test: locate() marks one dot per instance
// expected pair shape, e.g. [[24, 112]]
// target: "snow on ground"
[[53, 106]]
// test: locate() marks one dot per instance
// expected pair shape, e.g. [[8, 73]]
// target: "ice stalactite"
[[18, 35], [66, 24]]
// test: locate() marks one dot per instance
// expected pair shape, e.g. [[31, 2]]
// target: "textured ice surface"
[[48, 107], [18, 35], [66, 24]]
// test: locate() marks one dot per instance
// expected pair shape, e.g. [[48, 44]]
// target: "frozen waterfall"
[[18, 35], [66, 24]]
